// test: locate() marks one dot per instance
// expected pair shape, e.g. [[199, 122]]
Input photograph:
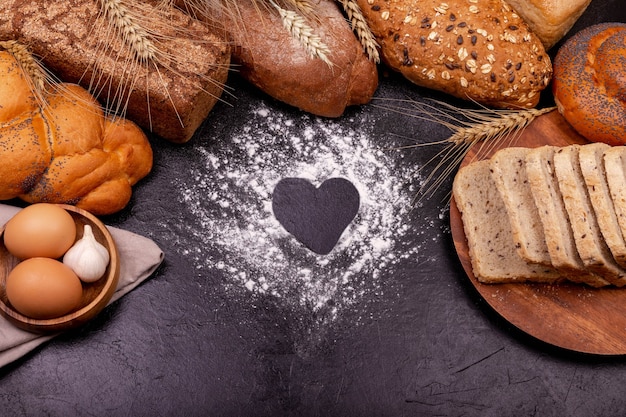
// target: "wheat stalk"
[[130, 31], [482, 127], [300, 30], [37, 75], [360, 27]]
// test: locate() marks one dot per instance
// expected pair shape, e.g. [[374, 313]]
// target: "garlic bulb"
[[88, 258]]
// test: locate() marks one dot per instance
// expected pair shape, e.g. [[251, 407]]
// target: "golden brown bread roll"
[[479, 50], [550, 20], [269, 57], [170, 96], [66, 150], [589, 83]]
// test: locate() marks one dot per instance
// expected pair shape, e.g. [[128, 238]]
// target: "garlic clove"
[[88, 258]]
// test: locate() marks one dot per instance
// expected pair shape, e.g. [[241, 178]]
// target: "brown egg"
[[40, 229], [43, 288]]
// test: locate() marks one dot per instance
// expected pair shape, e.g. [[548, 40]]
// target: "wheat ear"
[[361, 28], [300, 30], [133, 34], [482, 127], [37, 75]]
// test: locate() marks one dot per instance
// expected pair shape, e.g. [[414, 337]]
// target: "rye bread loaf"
[[591, 158], [590, 244], [492, 251], [550, 20], [614, 162], [508, 168], [479, 50], [268, 56], [77, 43], [554, 217]]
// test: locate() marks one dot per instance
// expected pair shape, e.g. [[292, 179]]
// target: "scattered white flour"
[[231, 199]]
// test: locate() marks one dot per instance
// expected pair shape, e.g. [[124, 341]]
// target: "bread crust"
[[589, 83], [550, 20], [477, 50]]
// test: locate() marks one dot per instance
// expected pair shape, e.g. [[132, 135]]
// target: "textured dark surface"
[[418, 343]]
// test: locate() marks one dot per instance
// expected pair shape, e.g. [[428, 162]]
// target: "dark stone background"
[[428, 345]]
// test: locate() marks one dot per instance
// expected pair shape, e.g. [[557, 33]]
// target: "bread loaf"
[[479, 50], [550, 20], [614, 163], [272, 59], [590, 244], [65, 150], [589, 85], [492, 251], [171, 96]]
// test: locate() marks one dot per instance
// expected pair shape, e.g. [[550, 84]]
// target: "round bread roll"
[[589, 82]]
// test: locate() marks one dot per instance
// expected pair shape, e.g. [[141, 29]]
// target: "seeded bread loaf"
[[556, 224], [589, 82], [589, 242], [79, 44], [591, 158], [550, 20], [479, 50], [508, 168], [485, 220]]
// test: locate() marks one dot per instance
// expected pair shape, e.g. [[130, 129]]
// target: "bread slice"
[[614, 160], [557, 230], [492, 251], [590, 244], [508, 169], [591, 158]]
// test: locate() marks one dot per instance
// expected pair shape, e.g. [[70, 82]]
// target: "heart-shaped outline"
[[315, 216]]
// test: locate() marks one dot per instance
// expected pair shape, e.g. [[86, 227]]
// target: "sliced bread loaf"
[[554, 218], [492, 251], [508, 169], [614, 160], [591, 159], [590, 244]]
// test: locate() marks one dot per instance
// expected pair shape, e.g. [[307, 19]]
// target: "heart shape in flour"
[[316, 217]]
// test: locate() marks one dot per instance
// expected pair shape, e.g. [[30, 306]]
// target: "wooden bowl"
[[96, 295]]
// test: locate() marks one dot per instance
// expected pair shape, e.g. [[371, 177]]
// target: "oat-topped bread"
[[492, 250], [509, 174], [614, 160], [556, 225], [591, 158], [473, 49], [589, 242]]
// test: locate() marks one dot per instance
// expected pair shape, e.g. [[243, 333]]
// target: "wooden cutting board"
[[570, 316]]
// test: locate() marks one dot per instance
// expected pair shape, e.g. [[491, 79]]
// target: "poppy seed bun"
[[589, 83]]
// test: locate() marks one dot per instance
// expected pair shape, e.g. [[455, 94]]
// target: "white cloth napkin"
[[139, 258]]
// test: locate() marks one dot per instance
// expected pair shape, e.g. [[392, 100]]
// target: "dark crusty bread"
[[171, 101], [554, 217], [591, 159], [509, 173], [268, 56], [479, 50], [591, 247], [492, 251]]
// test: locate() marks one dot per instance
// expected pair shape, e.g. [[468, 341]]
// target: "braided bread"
[[65, 150]]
